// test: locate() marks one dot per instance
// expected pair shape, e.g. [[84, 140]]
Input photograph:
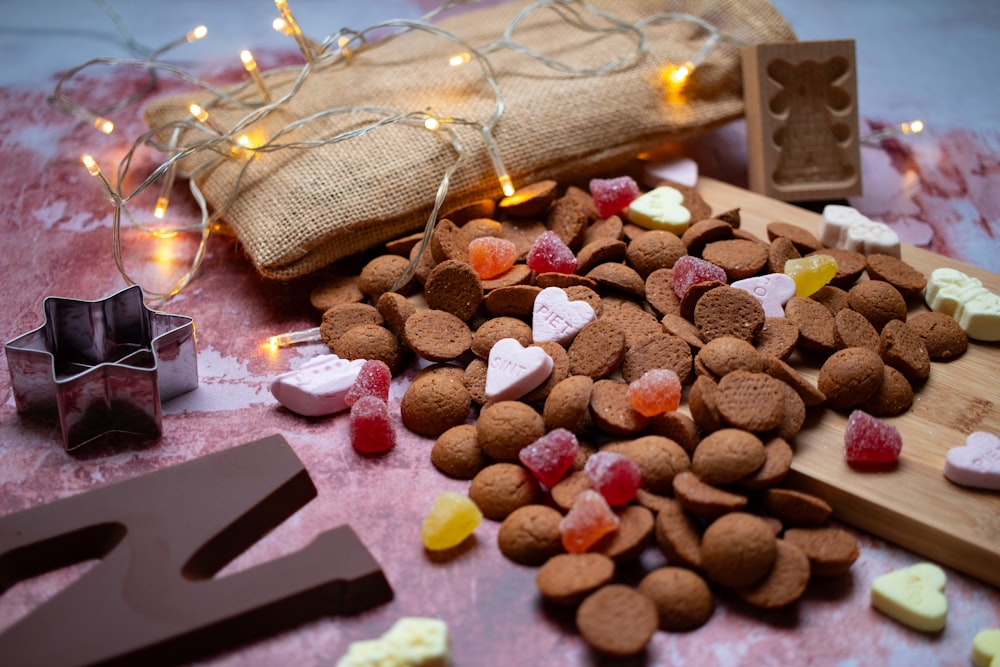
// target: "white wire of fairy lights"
[[226, 144]]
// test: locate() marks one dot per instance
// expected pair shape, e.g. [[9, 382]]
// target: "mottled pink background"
[[940, 189]]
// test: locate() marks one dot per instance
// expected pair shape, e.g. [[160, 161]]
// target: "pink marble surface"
[[56, 241]]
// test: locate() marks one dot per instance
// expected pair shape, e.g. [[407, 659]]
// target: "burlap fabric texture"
[[298, 210]]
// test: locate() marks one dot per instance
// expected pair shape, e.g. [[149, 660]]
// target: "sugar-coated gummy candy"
[[656, 392], [451, 520], [811, 273], [613, 194], [550, 255], [870, 440], [372, 431], [587, 522], [690, 270], [490, 257], [373, 380], [614, 476], [914, 596], [550, 457]]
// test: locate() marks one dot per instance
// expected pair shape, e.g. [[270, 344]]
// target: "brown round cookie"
[[568, 403], [635, 529], [436, 335], [338, 319], [893, 397], [611, 410], [568, 218], [904, 350], [515, 301], [678, 427], [785, 583], [585, 200], [780, 251], [566, 579], [454, 287], [441, 369], [617, 620], [942, 335], [404, 245], [738, 550], [653, 251], [380, 275], [731, 217], [370, 341], [507, 427], [530, 534], [778, 337], [724, 355], [519, 274], [652, 501], [611, 275], [703, 499], [803, 240], [683, 600], [608, 228], [660, 350], [434, 403], [676, 325], [660, 294], [727, 311], [852, 329], [425, 262], [795, 413], [777, 462], [850, 265], [559, 372], [701, 403], [448, 242], [693, 295], [530, 200], [909, 281], [523, 234], [659, 459], [500, 488], [394, 309], [831, 551], [850, 377], [498, 328], [833, 298], [678, 535], [796, 508], [474, 380], [637, 324], [750, 401], [569, 488], [703, 232], [584, 293], [776, 368], [727, 456], [815, 323], [598, 349], [457, 453], [333, 290], [599, 252], [879, 301], [739, 258]]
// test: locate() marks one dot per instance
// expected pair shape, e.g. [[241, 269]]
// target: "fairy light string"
[[215, 142]]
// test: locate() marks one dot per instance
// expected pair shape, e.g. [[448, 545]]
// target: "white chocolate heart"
[[318, 387], [772, 291], [914, 596], [660, 208], [845, 227], [977, 463], [513, 370], [975, 308], [556, 318]]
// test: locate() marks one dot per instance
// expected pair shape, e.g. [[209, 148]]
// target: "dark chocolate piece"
[[162, 537]]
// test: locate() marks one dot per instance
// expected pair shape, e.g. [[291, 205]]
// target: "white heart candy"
[[660, 208], [977, 463], [556, 318], [513, 370], [772, 291]]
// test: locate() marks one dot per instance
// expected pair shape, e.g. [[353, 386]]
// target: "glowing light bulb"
[[293, 29], [506, 185], [251, 67], [104, 125], [248, 62], [342, 43], [676, 75], [198, 113], [294, 338], [91, 164], [913, 127], [161, 208], [459, 59], [280, 25], [432, 124], [197, 33]]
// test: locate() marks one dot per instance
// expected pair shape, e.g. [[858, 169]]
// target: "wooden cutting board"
[[912, 505]]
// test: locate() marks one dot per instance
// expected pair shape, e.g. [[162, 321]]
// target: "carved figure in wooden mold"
[[812, 140]]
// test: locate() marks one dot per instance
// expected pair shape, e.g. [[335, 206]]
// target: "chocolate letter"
[[161, 538]]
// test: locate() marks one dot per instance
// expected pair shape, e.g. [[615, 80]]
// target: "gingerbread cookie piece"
[[457, 453], [738, 550], [617, 620], [901, 348], [334, 290], [815, 323], [678, 535], [850, 377], [942, 335], [879, 301], [785, 583], [454, 287], [831, 551], [611, 410], [530, 200], [437, 335], [598, 349], [566, 579], [655, 250], [434, 403], [530, 534], [343, 316], [727, 311], [568, 403], [727, 456], [659, 459], [803, 240], [507, 427], [501, 488], [750, 401], [380, 275], [683, 600], [739, 258], [796, 508], [909, 281]]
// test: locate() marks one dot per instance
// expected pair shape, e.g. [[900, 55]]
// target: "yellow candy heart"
[[986, 648], [914, 596], [660, 208]]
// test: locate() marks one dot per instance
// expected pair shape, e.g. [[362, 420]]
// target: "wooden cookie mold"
[[802, 120]]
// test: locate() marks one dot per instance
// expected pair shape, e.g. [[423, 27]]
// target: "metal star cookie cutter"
[[104, 366]]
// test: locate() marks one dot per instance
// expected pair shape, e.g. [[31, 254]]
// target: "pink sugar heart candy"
[[772, 291], [513, 370], [319, 387], [558, 319], [977, 463]]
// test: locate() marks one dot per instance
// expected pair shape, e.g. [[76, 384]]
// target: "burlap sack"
[[297, 210]]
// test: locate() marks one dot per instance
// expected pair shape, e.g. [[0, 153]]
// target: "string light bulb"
[[91, 164], [200, 114], [104, 125], [294, 338], [910, 127], [432, 123], [198, 32], [251, 67], [459, 59], [280, 25], [293, 29], [676, 76]]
